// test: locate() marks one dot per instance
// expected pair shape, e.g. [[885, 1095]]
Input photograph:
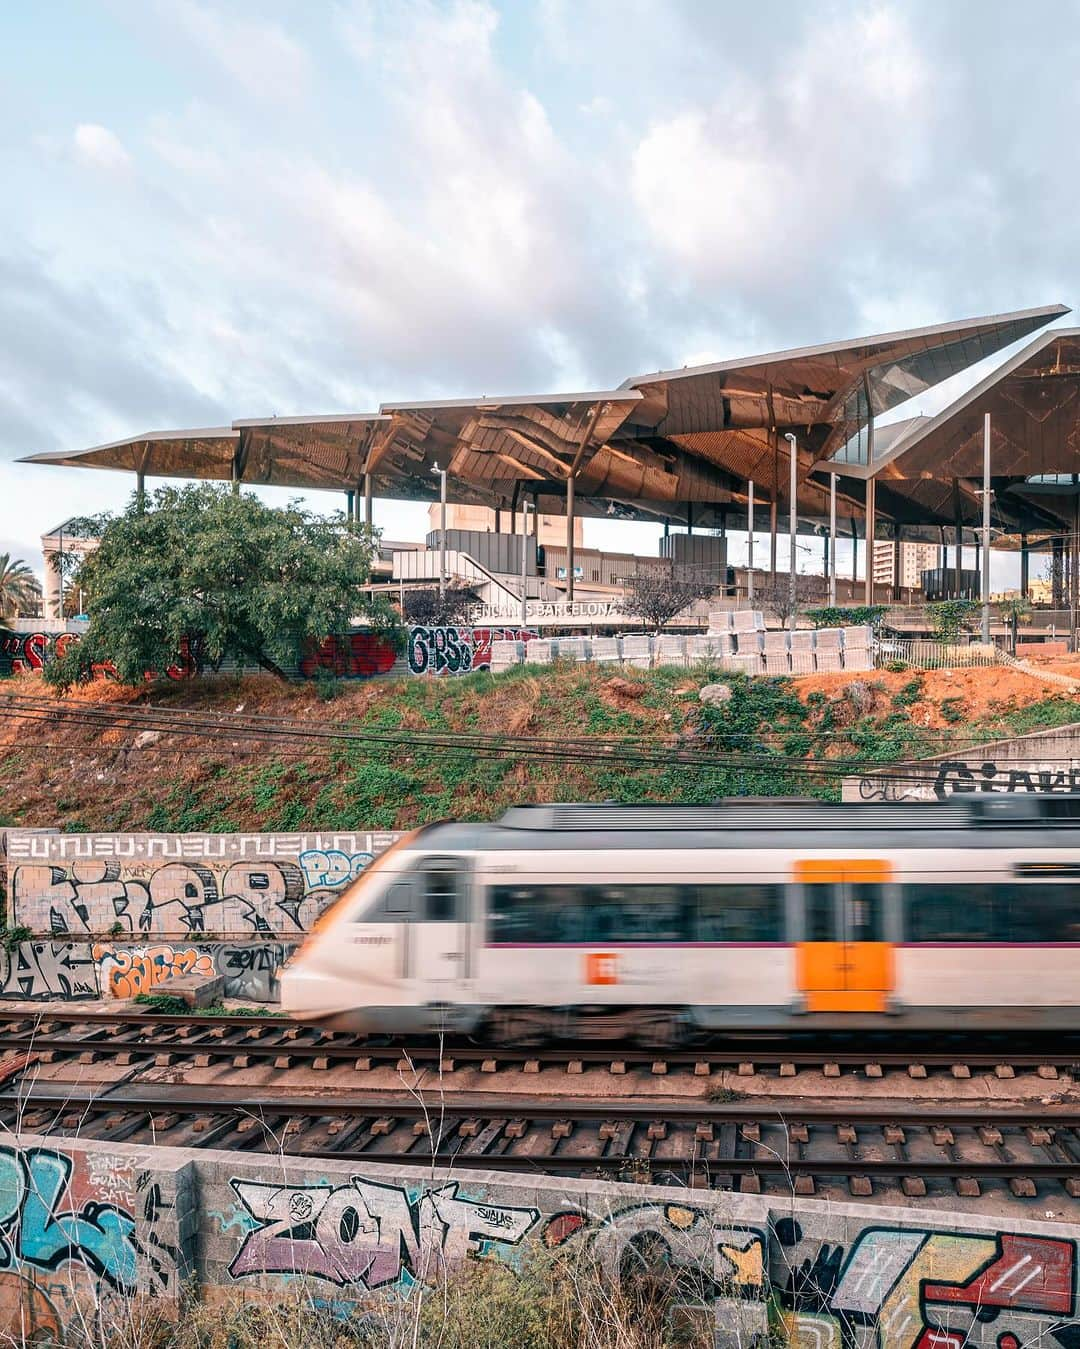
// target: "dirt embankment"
[[771, 736]]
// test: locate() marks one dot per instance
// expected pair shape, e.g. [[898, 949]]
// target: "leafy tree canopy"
[[221, 570]]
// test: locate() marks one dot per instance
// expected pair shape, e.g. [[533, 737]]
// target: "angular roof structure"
[[672, 445]]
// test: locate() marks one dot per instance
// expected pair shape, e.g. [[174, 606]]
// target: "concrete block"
[[748, 663], [828, 662], [746, 642], [571, 648], [802, 662], [720, 620], [538, 651], [195, 990], [828, 639], [802, 639], [777, 662], [775, 641], [738, 1324], [605, 649], [505, 653], [860, 636], [857, 659]]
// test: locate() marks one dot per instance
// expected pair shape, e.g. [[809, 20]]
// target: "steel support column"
[[868, 581], [569, 539], [831, 552], [1025, 568], [985, 587], [958, 526], [750, 544]]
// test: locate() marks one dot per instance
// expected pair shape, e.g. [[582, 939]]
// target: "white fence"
[[929, 655]]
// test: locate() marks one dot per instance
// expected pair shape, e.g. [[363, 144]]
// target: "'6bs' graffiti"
[[457, 650]]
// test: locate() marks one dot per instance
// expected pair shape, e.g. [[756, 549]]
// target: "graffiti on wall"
[[368, 1234], [457, 650], [75, 1231], [955, 777], [347, 655], [74, 887], [74, 971], [894, 1287], [925, 1289], [30, 652]]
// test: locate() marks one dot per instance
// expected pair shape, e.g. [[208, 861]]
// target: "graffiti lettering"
[[264, 898], [347, 655], [457, 650], [39, 970], [366, 1233], [125, 973], [30, 652], [954, 777], [331, 868], [34, 1231]]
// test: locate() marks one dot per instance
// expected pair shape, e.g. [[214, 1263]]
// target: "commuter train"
[[659, 923]]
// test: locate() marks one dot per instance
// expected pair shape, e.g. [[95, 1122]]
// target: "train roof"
[[743, 823]]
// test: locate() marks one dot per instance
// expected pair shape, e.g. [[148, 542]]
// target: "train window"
[[399, 900], [444, 889], [596, 914], [1037, 913], [865, 913], [739, 913], [949, 912], [820, 905]]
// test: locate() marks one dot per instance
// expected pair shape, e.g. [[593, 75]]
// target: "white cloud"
[[257, 54], [100, 148]]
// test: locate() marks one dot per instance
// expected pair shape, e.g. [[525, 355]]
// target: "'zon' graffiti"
[[894, 1287], [272, 897]]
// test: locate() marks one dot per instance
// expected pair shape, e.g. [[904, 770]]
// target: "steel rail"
[[203, 1099]]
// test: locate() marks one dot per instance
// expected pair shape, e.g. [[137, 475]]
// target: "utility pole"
[[525, 563], [986, 531], [442, 527], [793, 487]]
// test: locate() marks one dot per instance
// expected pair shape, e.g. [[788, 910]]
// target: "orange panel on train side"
[[819, 965], [833, 870]]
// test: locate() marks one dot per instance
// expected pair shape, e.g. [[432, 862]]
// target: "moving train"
[[659, 923]]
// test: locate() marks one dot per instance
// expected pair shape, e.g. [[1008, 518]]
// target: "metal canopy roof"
[[663, 446]]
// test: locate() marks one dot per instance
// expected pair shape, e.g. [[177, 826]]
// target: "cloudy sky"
[[227, 208]]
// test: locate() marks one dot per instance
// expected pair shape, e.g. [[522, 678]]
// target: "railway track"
[[243, 1041], [816, 1148]]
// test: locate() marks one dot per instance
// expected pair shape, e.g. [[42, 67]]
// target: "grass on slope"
[[87, 779]]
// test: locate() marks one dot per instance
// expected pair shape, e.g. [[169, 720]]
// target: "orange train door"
[[843, 963]]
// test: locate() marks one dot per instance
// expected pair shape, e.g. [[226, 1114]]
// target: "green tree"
[[1014, 611], [19, 587], [223, 571], [949, 618]]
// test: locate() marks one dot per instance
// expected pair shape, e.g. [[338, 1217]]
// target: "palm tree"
[[19, 587]]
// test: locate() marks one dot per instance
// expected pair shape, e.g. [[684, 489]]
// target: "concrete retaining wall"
[[114, 915], [1042, 761], [166, 886], [107, 1219]]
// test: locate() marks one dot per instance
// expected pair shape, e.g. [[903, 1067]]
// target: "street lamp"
[[794, 487], [442, 527]]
